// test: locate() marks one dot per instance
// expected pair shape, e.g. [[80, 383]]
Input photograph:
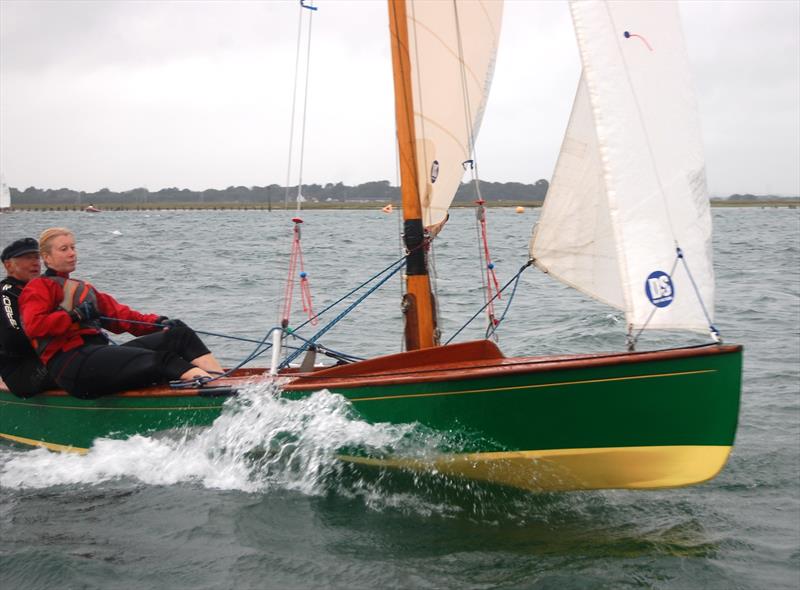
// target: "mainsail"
[[452, 48], [629, 193]]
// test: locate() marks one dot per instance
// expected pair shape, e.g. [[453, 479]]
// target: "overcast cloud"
[[198, 94]]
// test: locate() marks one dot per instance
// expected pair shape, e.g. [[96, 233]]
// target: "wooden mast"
[[418, 302]]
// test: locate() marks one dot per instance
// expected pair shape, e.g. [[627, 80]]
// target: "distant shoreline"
[[373, 205]]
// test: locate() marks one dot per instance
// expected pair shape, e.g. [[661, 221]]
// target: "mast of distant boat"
[[418, 302]]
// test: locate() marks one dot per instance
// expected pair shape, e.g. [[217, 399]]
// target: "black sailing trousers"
[[98, 368]]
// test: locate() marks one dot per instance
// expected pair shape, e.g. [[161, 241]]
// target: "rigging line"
[[203, 332], [715, 335], [362, 285], [480, 259], [323, 349], [305, 110], [256, 352], [294, 105], [650, 152], [484, 259], [492, 328], [477, 313], [632, 340], [349, 308]]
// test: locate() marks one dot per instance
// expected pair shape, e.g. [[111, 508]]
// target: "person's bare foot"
[[194, 373]]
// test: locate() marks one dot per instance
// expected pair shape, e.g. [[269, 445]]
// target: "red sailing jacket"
[[42, 317]]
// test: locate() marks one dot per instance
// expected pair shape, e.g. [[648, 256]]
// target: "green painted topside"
[[65, 420], [686, 401]]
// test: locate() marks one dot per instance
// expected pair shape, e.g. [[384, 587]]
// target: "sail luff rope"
[[294, 106], [305, 111]]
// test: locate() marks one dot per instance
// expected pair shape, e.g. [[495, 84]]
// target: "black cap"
[[20, 247]]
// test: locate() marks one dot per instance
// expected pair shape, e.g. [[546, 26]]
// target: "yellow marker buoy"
[[520, 209]]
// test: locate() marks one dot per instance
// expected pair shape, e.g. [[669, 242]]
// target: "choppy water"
[[258, 500]]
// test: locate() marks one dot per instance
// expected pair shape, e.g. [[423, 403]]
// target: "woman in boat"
[[63, 318]]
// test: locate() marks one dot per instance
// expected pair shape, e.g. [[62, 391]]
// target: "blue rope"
[[513, 279], [361, 286], [493, 327], [399, 265], [204, 333]]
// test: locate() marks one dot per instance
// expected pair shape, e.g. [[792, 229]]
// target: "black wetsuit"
[[98, 368], [20, 367]]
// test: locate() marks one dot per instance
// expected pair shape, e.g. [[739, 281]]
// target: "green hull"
[[619, 412], [63, 422], [692, 401]]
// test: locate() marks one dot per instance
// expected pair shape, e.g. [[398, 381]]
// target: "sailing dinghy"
[[626, 221]]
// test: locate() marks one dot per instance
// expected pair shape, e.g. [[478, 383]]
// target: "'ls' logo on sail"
[[659, 289]]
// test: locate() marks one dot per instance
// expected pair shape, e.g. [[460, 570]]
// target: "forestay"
[[629, 186], [451, 81]]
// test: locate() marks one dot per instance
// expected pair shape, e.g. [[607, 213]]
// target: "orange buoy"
[[520, 209]]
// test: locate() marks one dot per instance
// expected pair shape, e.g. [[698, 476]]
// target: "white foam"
[[261, 441]]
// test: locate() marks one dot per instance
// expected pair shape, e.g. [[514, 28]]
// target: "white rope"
[[294, 105], [301, 155]]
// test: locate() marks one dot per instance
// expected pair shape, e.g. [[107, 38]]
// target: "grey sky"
[[198, 94]]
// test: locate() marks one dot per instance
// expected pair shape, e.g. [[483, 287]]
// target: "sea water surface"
[[258, 500]]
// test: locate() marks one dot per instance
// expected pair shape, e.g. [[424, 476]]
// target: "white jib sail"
[[451, 83], [5, 194], [629, 186]]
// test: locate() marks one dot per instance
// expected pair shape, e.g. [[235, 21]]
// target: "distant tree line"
[[273, 194], [749, 197]]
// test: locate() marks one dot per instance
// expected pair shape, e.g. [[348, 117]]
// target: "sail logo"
[[659, 288]]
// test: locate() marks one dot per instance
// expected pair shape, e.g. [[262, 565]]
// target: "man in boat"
[[63, 318], [20, 368]]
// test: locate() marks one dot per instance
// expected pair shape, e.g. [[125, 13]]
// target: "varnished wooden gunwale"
[[492, 367]]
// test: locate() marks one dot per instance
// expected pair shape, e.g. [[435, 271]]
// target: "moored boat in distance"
[[5, 195]]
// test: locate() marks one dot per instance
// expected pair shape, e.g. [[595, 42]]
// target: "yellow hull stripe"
[[513, 387], [47, 445], [635, 468], [553, 470]]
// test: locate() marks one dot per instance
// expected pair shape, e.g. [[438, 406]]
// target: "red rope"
[[305, 288], [492, 284]]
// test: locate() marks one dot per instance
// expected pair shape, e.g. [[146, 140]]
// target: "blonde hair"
[[48, 235]]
